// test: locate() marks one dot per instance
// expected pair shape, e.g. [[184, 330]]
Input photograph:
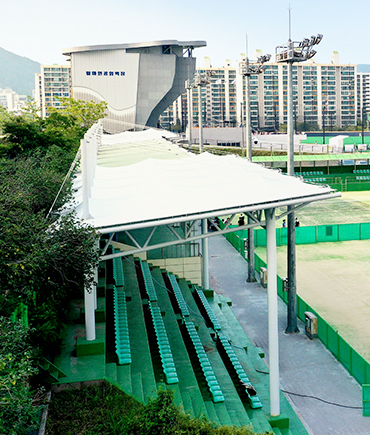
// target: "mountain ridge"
[[17, 72]]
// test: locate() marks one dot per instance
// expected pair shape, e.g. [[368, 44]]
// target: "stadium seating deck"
[[169, 334]]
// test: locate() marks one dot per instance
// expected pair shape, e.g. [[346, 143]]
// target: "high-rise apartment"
[[53, 82], [324, 94]]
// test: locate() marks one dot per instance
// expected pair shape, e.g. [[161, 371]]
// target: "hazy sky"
[[40, 29]]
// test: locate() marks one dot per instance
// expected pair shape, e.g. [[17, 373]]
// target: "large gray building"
[[138, 81]]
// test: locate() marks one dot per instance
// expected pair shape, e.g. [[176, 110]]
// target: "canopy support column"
[[90, 312], [91, 302], [272, 313], [205, 254]]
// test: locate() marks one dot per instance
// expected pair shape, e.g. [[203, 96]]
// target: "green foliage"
[[47, 259], [83, 113], [17, 411], [64, 128], [106, 410]]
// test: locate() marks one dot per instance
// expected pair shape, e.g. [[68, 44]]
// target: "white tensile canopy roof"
[[142, 179]]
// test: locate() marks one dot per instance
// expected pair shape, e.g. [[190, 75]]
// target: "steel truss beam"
[[255, 216]]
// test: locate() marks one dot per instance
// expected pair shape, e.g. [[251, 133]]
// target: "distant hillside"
[[363, 68], [17, 72]]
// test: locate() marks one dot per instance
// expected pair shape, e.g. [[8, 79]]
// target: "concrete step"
[[124, 378], [111, 372], [137, 387]]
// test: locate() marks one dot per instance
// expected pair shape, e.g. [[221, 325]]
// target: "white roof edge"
[[327, 194], [185, 44]]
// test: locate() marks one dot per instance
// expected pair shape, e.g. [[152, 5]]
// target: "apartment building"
[[363, 96], [53, 81], [12, 101], [323, 94]]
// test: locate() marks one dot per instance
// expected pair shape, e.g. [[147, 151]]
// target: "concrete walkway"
[[306, 366]]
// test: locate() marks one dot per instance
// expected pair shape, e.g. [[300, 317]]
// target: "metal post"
[[248, 130], [190, 112], [205, 255], [323, 124], [251, 265], [291, 250], [290, 130], [200, 122], [272, 313]]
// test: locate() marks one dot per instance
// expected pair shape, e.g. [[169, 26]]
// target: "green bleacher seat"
[[164, 347], [208, 309], [179, 296], [208, 372], [253, 399], [122, 341]]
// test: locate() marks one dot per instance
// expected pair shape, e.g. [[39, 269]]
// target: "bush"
[[17, 411], [106, 410]]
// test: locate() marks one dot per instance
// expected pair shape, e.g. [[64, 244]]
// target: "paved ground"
[[339, 287], [306, 367]]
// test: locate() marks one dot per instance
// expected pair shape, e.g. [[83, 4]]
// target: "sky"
[[41, 29]]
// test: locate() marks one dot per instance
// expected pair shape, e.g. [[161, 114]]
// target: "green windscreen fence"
[[357, 366], [316, 234]]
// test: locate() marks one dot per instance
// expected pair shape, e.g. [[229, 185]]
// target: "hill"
[[17, 72]]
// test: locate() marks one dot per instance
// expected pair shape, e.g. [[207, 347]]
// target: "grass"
[[104, 409]]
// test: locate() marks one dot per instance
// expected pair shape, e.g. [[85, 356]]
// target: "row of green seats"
[[305, 174], [362, 178], [250, 391], [118, 270], [179, 296], [315, 180], [123, 349], [165, 352], [361, 171], [209, 374], [148, 281], [210, 314]]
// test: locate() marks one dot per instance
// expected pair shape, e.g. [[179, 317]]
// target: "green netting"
[[327, 233], [349, 232], [359, 368], [333, 341], [345, 354], [364, 231], [301, 308], [306, 235], [366, 400], [322, 329], [260, 237]]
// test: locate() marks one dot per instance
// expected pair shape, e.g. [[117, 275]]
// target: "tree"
[[17, 413], [83, 113]]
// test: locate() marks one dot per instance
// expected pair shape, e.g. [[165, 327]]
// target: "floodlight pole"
[[247, 70], [200, 81], [189, 90], [292, 325], [290, 53]]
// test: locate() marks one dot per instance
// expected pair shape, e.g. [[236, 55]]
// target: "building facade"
[[363, 96], [138, 81], [12, 101], [53, 82], [323, 94]]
